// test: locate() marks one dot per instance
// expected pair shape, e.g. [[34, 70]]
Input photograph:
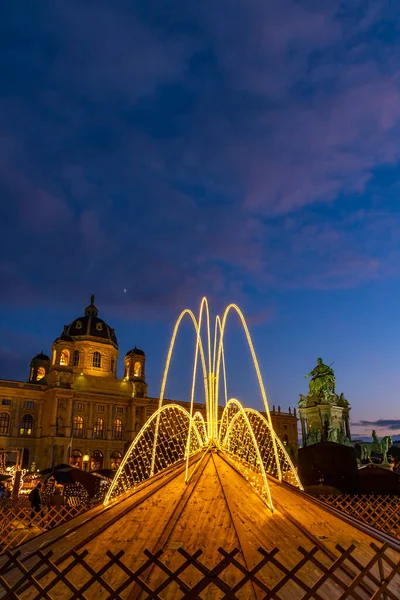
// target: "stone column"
[[68, 418], [110, 421], [17, 417], [53, 420], [89, 429]]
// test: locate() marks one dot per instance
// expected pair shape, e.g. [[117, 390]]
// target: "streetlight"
[[85, 461]]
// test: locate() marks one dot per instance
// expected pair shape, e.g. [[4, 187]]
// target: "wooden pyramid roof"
[[217, 509]]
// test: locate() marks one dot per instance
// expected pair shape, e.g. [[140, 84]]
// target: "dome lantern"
[[39, 368]]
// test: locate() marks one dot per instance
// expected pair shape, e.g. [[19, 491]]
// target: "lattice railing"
[[18, 523], [312, 576], [382, 512]]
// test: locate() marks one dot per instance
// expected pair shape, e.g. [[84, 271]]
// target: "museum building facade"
[[75, 410]]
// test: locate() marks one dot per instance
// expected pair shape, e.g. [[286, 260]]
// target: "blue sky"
[[247, 151]]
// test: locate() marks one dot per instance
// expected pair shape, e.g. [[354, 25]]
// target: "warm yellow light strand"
[[257, 368], [203, 306], [166, 370]]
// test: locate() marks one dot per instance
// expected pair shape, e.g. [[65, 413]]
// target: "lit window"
[[119, 410], [100, 408], [77, 426], [4, 423], [26, 425], [79, 406], [78, 325], [29, 404], [75, 358], [116, 458], [40, 373], [76, 459], [118, 429], [6, 402], [137, 369], [96, 361], [64, 358], [99, 326], [98, 428], [96, 460]]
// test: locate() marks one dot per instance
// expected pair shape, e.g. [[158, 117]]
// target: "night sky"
[[243, 150]]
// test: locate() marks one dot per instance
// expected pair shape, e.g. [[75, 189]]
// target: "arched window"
[[137, 369], [77, 426], [75, 459], [96, 361], [116, 458], [118, 429], [75, 358], [40, 373], [64, 358], [98, 428], [96, 460], [112, 365], [26, 425], [4, 423]]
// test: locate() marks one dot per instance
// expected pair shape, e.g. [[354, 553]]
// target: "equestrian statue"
[[378, 446]]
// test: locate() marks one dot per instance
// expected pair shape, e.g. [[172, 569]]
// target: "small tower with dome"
[[87, 346], [134, 370], [39, 368]]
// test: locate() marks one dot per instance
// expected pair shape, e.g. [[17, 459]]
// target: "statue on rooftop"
[[322, 378]]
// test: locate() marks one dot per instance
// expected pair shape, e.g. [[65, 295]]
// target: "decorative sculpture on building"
[[324, 415], [379, 446]]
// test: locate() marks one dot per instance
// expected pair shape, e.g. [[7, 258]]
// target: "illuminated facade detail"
[[98, 428], [4, 423], [77, 426], [64, 358], [96, 360], [40, 373], [117, 429], [137, 369], [174, 434], [26, 425], [96, 460], [75, 358], [116, 458], [76, 459]]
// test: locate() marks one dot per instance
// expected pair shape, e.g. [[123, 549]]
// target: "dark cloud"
[[391, 424], [194, 147]]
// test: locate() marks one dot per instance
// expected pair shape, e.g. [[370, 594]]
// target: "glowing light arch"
[[173, 433], [173, 423]]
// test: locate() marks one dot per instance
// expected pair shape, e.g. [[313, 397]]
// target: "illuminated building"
[[74, 405]]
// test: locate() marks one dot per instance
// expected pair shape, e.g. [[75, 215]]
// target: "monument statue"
[[322, 379], [323, 410], [378, 446]]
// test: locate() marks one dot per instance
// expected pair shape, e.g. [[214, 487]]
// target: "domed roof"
[[90, 326], [40, 358], [135, 351], [64, 338]]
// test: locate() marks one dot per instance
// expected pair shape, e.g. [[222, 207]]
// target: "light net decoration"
[[173, 433], [171, 444]]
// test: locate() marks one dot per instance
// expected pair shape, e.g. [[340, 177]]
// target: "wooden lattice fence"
[[18, 523], [186, 576], [382, 512]]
